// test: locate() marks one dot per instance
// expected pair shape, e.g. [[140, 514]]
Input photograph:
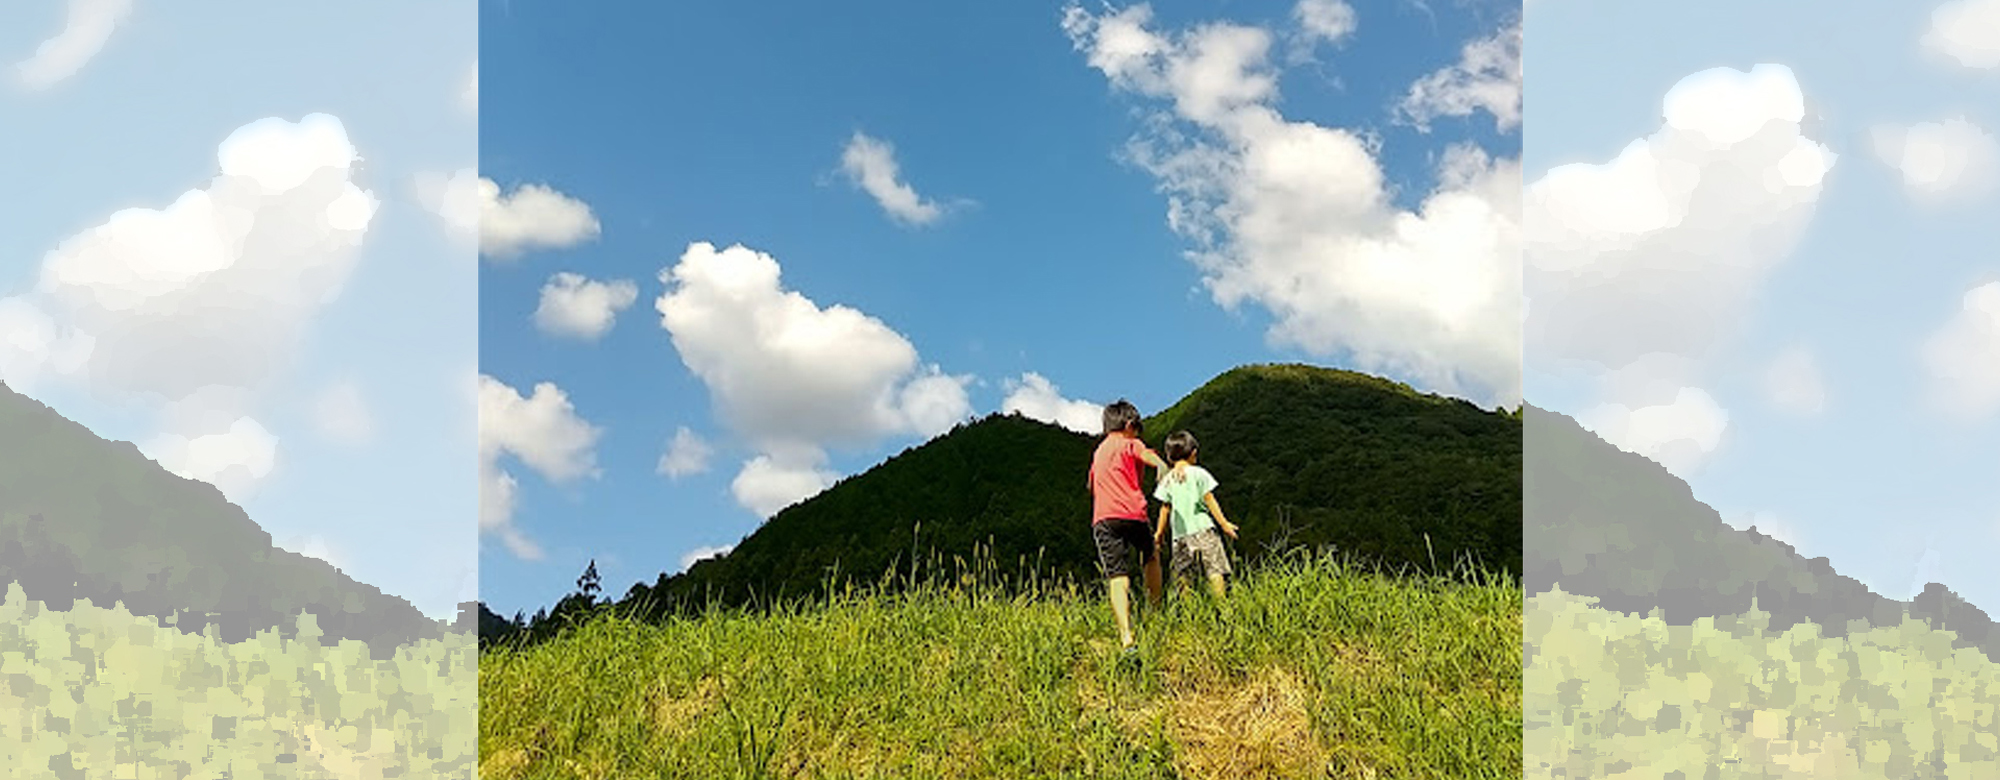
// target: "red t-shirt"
[[1114, 480]]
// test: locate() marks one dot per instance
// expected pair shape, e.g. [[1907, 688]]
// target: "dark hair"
[[1181, 446], [1122, 415]]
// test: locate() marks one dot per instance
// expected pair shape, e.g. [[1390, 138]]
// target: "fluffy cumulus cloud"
[[579, 308], [1940, 160], [698, 554], [234, 459], [687, 453], [1486, 78], [1329, 21], [1679, 434], [792, 377], [88, 26], [1643, 265], [769, 483], [1967, 32], [870, 164], [1035, 397], [1794, 384], [1296, 217], [541, 431], [533, 217], [201, 302], [1963, 357]]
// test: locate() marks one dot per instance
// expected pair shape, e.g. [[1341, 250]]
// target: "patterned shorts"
[[1200, 553]]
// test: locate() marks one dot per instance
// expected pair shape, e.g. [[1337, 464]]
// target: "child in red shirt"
[[1118, 522]]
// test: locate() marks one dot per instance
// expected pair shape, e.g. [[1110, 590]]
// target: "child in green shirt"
[[1189, 508]]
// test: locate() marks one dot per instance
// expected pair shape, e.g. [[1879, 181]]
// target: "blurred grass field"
[[1311, 667]]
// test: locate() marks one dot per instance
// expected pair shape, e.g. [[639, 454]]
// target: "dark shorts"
[[1117, 540]]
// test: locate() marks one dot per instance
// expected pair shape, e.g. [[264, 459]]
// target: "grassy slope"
[[1308, 666], [96, 692]]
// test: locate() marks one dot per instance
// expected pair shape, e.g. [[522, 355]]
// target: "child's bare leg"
[[1155, 589], [1216, 585], [1121, 609]]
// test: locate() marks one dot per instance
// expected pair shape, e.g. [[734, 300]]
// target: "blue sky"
[[1851, 394], [325, 384], [874, 224]]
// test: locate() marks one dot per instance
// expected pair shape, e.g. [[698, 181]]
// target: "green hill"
[[1306, 457], [86, 518], [1619, 527]]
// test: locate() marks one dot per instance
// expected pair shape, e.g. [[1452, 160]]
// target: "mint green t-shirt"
[[1189, 514]]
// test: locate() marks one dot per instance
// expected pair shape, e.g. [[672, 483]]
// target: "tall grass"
[[1311, 667]]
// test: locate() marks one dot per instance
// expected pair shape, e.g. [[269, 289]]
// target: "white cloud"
[[1487, 77], [1324, 20], [32, 343], [770, 483], [1794, 384], [89, 25], [870, 164], [456, 199], [784, 370], [1296, 217], [341, 414], [1939, 160], [794, 378], [1768, 524], [234, 459], [1034, 397], [533, 217], [686, 454], [1963, 357], [579, 308], [698, 554], [1662, 249], [1967, 31], [1679, 435], [544, 433], [314, 546], [208, 297]]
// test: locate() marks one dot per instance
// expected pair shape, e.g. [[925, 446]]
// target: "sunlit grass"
[[1310, 668]]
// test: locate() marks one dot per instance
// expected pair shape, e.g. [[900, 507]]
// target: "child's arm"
[[1160, 464], [1215, 511], [1160, 531]]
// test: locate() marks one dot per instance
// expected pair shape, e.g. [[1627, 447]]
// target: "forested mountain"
[[1611, 524], [82, 517], [1306, 457]]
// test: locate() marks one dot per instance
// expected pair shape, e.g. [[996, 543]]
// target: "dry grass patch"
[[1260, 727]]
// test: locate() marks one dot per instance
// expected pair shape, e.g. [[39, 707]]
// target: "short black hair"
[[1181, 446], [1121, 415]]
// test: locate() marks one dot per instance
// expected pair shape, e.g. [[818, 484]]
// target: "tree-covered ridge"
[[1621, 528], [82, 517], [1307, 458]]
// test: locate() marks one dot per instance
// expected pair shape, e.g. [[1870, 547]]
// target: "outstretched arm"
[[1215, 511], [1160, 464]]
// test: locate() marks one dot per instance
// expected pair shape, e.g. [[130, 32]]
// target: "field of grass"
[[92, 692], [1310, 668], [1617, 695]]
